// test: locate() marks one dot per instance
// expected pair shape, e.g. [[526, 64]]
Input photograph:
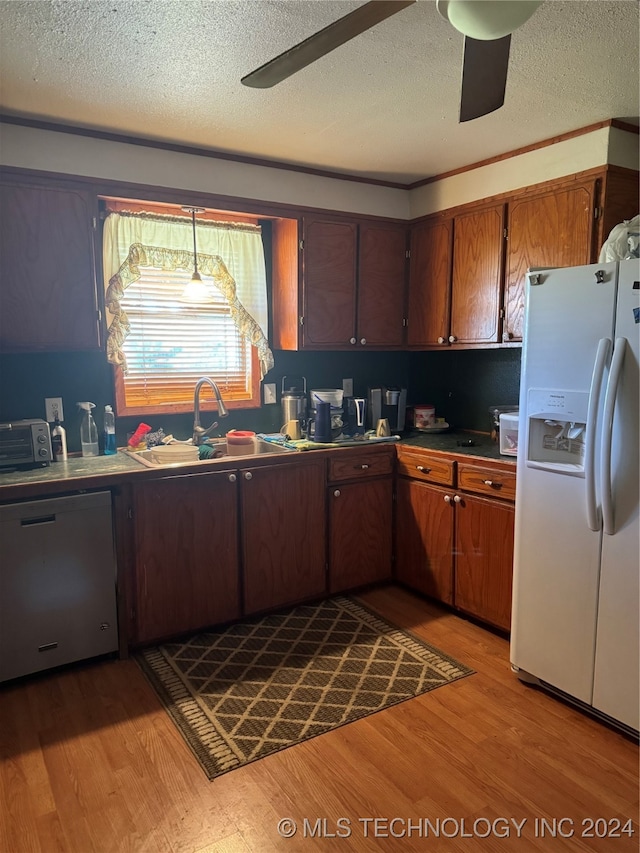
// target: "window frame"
[[116, 205]]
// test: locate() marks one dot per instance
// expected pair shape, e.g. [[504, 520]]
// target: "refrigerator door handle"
[[593, 512], [617, 362]]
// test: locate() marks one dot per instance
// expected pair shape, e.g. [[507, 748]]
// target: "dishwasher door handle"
[[43, 519]]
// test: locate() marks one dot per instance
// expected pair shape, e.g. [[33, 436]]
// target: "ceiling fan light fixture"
[[487, 20], [195, 291]]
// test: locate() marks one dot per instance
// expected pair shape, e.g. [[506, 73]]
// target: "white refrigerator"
[[577, 535]]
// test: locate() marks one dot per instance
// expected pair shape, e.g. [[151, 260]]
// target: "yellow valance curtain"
[[165, 242]]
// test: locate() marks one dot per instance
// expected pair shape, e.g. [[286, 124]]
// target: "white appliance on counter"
[[576, 567]]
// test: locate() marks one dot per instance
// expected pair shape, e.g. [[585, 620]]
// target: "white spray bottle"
[[88, 431]]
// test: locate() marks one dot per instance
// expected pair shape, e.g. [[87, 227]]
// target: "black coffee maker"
[[355, 415], [389, 403]]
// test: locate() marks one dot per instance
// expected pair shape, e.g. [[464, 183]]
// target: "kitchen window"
[[160, 345]]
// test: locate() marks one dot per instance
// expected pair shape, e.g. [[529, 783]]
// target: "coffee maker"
[[388, 403]]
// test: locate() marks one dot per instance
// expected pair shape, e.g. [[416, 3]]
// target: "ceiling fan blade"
[[323, 42], [484, 76]]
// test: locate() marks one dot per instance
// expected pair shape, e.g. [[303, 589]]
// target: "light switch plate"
[[53, 407], [269, 393], [347, 387]]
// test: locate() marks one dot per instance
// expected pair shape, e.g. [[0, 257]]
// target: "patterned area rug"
[[256, 687]]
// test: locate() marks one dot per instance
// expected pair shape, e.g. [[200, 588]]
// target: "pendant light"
[[196, 290]]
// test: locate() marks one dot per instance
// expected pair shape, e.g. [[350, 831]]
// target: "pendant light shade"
[[196, 291]]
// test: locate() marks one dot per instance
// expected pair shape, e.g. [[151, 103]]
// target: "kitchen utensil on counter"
[[240, 442], [389, 403], [356, 413], [292, 429], [424, 415], [322, 422], [294, 401], [495, 412], [383, 428]]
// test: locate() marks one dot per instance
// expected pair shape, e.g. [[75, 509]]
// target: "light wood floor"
[[91, 762]]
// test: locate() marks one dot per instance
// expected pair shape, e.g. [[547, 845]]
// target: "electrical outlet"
[[53, 408], [347, 387], [269, 393]]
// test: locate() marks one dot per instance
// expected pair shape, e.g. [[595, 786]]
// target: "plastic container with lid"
[[424, 416], [240, 442], [509, 433]]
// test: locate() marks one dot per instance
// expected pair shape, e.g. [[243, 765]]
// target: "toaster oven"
[[25, 444]]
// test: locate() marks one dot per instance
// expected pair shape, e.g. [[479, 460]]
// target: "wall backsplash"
[[461, 384]]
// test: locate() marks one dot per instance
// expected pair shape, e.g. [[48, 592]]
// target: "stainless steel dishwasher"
[[57, 582]]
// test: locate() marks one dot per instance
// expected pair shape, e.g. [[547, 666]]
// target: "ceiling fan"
[[486, 25]]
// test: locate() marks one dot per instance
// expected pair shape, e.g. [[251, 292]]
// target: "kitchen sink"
[[260, 447]]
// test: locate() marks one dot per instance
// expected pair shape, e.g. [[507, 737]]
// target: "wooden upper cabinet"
[[554, 229], [329, 282], [48, 296], [382, 268], [429, 283], [476, 286]]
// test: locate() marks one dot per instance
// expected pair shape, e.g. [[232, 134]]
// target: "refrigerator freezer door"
[[616, 682], [557, 556]]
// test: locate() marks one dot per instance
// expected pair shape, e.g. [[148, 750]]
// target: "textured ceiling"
[[384, 105]]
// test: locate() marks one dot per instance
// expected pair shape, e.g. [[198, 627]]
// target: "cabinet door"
[[484, 559], [48, 298], [429, 284], [283, 534], [381, 285], [424, 538], [360, 519], [476, 288], [329, 283], [186, 540], [550, 230]]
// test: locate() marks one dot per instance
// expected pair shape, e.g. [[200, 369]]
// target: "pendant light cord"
[[195, 254]]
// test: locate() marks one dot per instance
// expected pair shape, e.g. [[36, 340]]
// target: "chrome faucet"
[[199, 432]]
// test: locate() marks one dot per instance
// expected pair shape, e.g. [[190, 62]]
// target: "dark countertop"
[[97, 472], [455, 442]]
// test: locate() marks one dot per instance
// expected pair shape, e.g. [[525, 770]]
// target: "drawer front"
[[422, 466], [487, 481], [355, 466]]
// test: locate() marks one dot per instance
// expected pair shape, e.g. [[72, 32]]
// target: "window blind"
[[172, 344]]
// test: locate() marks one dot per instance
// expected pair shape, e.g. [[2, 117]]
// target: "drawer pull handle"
[[492, 483], [363, 467], [423, 469]]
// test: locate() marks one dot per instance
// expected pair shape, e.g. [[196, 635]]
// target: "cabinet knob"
[[452, 339], [363, 467], [248, 475], [447, 499], [423, 469], [457, 499], [232, 478], [506, 336], [442, 340], [336, 493], [363, 341], [352, 341]]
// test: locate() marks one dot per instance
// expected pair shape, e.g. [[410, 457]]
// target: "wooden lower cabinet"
[[283, 533], [454, 546], [186, 554], [360, 533], [424, 538], [484, 559]]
